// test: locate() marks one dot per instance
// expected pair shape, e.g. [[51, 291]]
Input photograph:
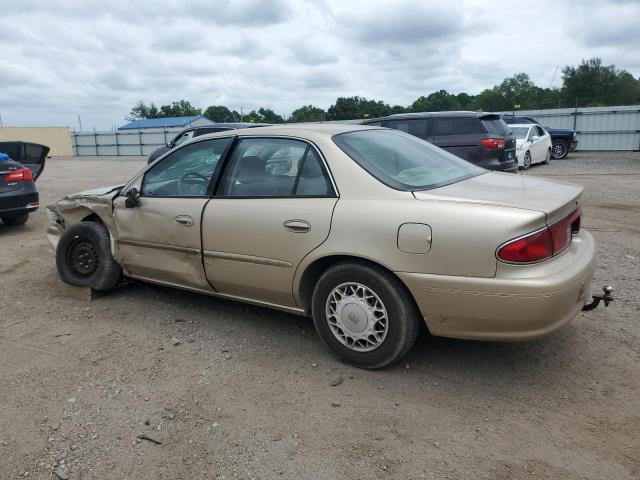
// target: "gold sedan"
[[370, 231]]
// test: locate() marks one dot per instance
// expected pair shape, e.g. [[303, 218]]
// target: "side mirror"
[[132, 200]]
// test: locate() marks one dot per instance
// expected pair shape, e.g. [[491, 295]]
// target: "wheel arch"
[[314, 270]]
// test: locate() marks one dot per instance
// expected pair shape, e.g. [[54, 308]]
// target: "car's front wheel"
[[364, 315], [527, 161], [15, 220], [83, 257], [559, 149]]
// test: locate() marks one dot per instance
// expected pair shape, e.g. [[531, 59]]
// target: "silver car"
[[371, 231]]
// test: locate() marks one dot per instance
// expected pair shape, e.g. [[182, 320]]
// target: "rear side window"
[[457, 125], [495, 126], [274, 167], [420, 128]]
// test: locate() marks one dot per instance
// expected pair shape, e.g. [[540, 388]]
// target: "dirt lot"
[[248, 393]]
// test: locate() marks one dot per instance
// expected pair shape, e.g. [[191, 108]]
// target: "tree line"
[[589, 84]]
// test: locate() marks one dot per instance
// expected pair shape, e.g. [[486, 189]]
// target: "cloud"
[[95, 59]]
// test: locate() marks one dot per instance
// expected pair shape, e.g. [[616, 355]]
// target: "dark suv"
[[480, 138], [189, 133]]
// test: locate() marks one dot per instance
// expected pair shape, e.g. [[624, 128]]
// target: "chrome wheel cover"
[[558, 150], [357, 317]]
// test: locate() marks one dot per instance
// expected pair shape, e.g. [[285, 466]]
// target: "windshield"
[[519, 132], [403, 161]]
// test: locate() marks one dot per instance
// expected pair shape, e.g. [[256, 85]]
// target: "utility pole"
[[80, 122], [241, 114]]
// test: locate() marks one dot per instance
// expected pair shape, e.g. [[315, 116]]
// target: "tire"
[[83, 257], [559, 149], [547, 157], [15, 220], [526, 164], [383, 290]]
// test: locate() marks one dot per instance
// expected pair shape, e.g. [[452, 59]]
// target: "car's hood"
[[509, 190], [96, 192]]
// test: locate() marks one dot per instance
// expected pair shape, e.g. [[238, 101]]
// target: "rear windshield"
[[402, 161], [495, 126]]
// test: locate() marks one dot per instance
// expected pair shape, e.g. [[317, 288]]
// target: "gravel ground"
[[235, 391]]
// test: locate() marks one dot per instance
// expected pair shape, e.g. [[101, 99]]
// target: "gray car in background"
[[189, 133]]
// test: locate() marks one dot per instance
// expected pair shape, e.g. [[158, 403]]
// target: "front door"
[[274, 206], [158, 233]]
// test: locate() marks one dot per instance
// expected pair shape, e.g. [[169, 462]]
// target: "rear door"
[[460, 135], [273, 206]]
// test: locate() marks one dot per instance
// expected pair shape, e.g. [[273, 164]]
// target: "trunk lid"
[[554, 199], [6, 167]]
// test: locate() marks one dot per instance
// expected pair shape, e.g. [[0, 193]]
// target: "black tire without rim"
[[559, 149], [15, 220], [403, 315], [83, 257]]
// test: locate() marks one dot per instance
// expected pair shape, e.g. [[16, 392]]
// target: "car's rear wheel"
[[83, 257], [15, 220], [527, 161], [364, 315], [559, 149]]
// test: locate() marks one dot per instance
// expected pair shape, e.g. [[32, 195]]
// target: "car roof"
[[522, 125], [457, 113], [295, 129]]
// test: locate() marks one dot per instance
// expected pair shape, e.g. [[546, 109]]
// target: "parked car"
[[21, 163], [533, 144], [370, 231], [189, 133], [563, 140], [480, 138]]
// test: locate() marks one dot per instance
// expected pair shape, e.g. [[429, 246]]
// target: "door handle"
[[184, 220], [297, 226]]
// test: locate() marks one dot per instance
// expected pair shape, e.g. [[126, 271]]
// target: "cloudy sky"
[[61, 59]]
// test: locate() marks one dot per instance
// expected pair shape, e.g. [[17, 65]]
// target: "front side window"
[[403, 161], [186, 172], [274, 167]]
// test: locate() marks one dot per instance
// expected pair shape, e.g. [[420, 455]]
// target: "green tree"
[[142, 110], [593, 84], [349, 108], [308, 113], [263, 115], [221, 114], [181, 108], [436, 102]]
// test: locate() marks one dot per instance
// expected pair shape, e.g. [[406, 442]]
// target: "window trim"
[[323, 163]]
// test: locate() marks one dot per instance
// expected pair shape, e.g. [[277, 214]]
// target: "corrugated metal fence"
[[121, 142], [597, 128]]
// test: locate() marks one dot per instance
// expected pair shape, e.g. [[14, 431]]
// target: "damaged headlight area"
[[54, 218]]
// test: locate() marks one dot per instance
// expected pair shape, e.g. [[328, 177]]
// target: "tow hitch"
[[606, 297]]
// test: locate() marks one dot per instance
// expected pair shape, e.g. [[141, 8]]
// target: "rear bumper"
[[19, 202], [500, 160], [520, 303]]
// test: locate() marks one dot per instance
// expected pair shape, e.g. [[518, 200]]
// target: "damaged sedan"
[[370, 231]]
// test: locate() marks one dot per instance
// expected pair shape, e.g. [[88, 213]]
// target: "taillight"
[[19, 175], [493, 143], [542, 244]]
